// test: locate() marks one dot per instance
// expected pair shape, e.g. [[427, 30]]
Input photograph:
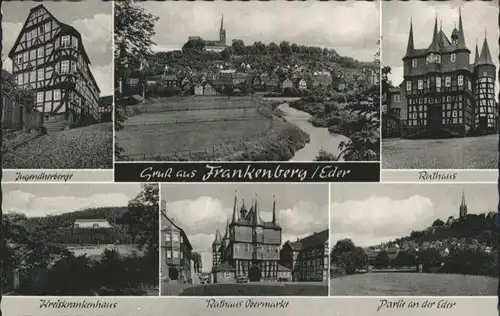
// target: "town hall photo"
[[250, 240], [440, 85]]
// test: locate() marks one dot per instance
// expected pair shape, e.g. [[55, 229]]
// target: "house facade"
[[249, 246], [443, 92], [48, 58], [307, 258], [106, 108], [176, 251], [96, 223]]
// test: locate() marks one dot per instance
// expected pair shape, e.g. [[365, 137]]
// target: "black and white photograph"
[[57, 85], [440, 86], [244, 240], [247, 81], [414, 239], [80, 240]]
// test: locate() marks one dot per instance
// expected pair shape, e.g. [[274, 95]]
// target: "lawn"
[[89, 147], [413, 284], [455, 153], [207, 128]]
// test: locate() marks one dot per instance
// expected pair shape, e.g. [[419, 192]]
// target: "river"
[[320, 136]]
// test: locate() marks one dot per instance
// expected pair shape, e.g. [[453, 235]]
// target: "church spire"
[[463, 207], [461, 36], [485, 57], [217, 240], [410, 47], [222, 24]]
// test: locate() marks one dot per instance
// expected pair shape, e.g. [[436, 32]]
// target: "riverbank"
[[320, 138], [209, 129]]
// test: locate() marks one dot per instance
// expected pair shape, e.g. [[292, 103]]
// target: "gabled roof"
[[186, 240], [314, 240], [66, 27]]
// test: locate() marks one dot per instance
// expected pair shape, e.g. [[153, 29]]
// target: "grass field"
[[89, 147], [456, 153], [248, 289], [410, 284], [205, 128]]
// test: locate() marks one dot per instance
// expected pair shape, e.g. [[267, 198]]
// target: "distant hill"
[[312, 58]]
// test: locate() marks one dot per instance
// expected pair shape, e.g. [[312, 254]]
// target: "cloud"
[[32, 205], [104, 78], [201, 217], [307, 23], [375, 219]]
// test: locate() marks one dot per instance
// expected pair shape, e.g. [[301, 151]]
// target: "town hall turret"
[[444, 94]]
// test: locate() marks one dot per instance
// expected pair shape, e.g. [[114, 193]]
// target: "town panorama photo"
[[234, 81]]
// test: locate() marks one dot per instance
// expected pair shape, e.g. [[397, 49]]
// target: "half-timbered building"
[[48, 58], [443, 93]]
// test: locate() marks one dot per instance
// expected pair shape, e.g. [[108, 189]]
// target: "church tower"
[[222, 33], [463, 207]]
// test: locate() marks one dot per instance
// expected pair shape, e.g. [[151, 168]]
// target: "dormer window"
[[453, 58], [438, 59], [414, 63]]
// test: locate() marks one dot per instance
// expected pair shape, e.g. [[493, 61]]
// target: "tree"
[[382, 260], [143, 214], [438, 223], [285, 47], [343, 245], [194, 45], [272, 48], [238, 47], [348, 257], [406, 259], [429, 258], [133, 31]]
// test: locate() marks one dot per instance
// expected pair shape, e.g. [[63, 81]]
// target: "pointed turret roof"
[[217, 240], [463, 199], [434, 47], [257, 220], [222, 23], [410, 47], [235, 215], [275, 215], [485, 57], [226, 235], [461, 36], [476, 55]]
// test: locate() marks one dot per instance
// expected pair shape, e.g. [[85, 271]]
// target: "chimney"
[[163, 205]]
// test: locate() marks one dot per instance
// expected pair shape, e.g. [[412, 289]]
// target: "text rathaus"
[[442, 93]]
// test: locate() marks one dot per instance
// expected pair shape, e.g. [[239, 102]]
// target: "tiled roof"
[[225, 267]]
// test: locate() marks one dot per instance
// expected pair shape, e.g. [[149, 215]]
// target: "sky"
[[35, 200], [476, 16], [199, 209], [312, 23], [92, 18], [371, 213]]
